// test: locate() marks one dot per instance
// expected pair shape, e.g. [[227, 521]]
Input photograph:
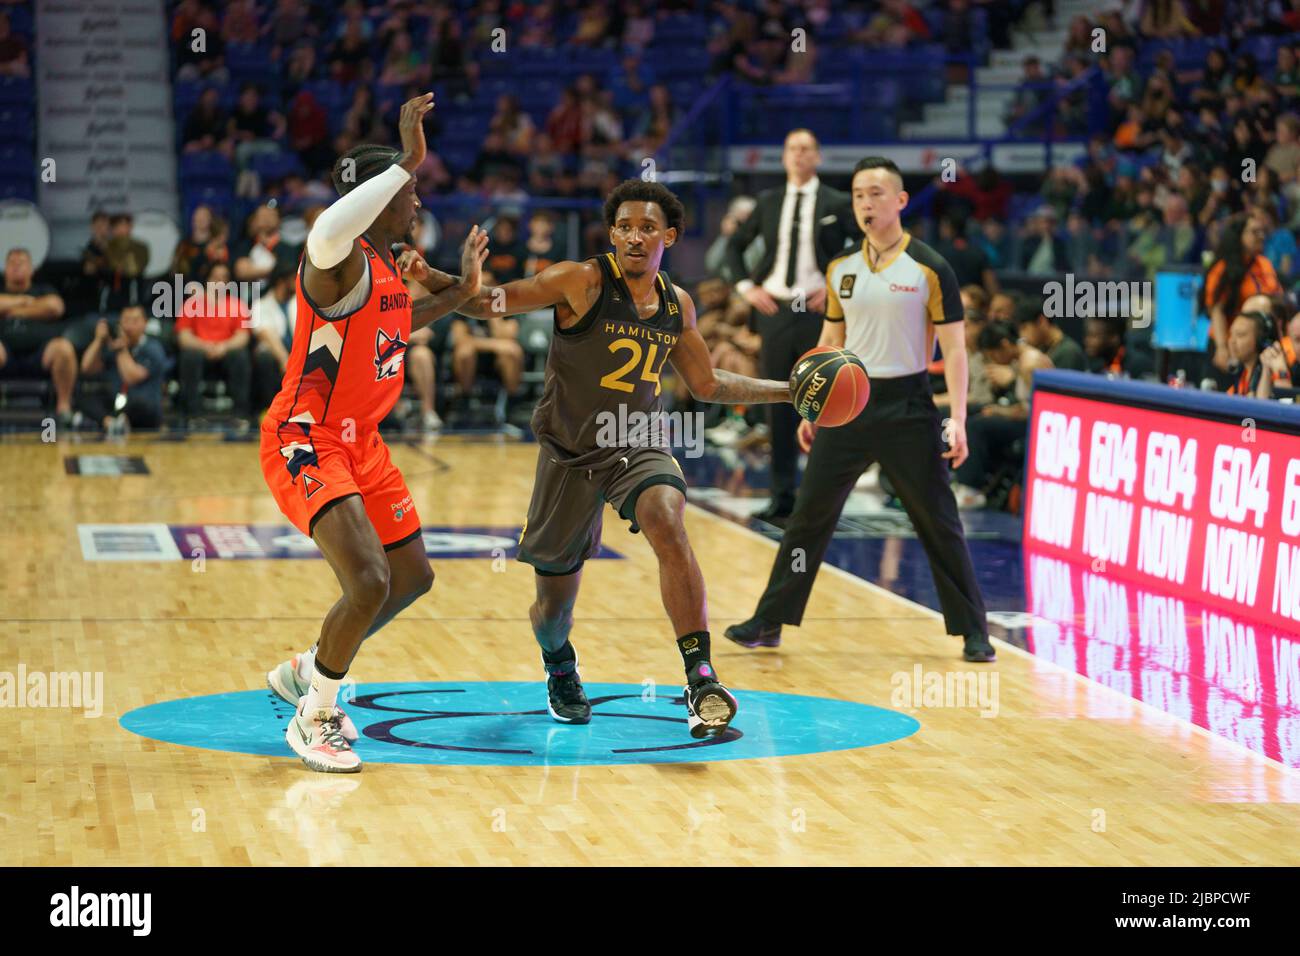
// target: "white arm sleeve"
[[331, 238]]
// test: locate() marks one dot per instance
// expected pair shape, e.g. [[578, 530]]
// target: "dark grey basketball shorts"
[[567, 508]]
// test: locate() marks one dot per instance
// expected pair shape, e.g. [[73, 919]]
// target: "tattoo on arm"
[[733, 389]]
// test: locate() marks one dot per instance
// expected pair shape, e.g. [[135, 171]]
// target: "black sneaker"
[[710, 708], [566, 700], [755, 633], [978, 649]]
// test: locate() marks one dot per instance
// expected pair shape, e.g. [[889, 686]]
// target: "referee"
[[886, 304]]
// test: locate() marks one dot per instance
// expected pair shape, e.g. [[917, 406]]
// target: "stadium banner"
[[914, 157], [1193, 492], [105, 129]]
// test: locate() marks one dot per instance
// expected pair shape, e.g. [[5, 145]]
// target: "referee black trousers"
[[786, 336], [901, 429]]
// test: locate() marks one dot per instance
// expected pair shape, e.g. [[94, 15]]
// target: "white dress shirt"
[[807, 276]]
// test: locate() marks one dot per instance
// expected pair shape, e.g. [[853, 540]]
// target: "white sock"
[[307, 663], [323, 695]]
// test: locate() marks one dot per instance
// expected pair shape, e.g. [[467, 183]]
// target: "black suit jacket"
[[834, 230]]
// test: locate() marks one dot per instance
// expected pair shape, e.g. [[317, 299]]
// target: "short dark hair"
[[802, 129], [97, 215], [1114, 325], [19, 251], [878, 162], [366, 162], [1030, 312], [994, 334], [641, 190]]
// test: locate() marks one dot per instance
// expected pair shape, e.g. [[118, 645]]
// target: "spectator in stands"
[[309, 132], [94, 258], [300, 67], [895, 24], [208, 126], [402, 64], [212, 334], [631, 84], [253, 127], [564, 124], [128, 257], [1293, 334], [653, 125], [1165, 19], [993, 238], [1104, 343], [1221, 201], [190, 257], [724, 324], [134, 366], [987, 192], [31, 333], [1042, 252], [715, 260], [1010, 366], [1252, 342], [239, 25], [1280, 246], [1280, 307], [256, 254], [1038, 330], [290, 22], [1244, 144], [968, 260], [1003, 307], [198, 61], [447, 56], [1171, 240], [349, 58], [362, 120], [513, 125], [1123, 81], [1286, 78], [975, 302], [479, 346], [507, 256], [1284, 154], [272, 320], [1239, 270], [14, 59], [1081, 246], [1029, 97], [541, 249]]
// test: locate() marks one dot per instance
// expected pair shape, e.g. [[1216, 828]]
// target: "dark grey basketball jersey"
[[602, 374]]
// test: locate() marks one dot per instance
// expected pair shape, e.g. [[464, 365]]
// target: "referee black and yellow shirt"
[[889, 310]]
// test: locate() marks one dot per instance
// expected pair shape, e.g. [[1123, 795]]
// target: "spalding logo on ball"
[[830, 386]]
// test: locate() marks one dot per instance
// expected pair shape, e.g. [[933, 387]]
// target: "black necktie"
[[793, 259]]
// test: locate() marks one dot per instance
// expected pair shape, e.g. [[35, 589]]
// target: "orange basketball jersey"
[[351, 367]]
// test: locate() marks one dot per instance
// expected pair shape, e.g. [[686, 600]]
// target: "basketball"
[[830, 386]]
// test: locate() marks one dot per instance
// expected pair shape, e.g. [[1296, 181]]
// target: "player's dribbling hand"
[[807, 432], [954, 433], [411, 126], [472, 257]]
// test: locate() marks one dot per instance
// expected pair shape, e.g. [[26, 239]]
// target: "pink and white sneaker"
[[317, 739], [290, 686]]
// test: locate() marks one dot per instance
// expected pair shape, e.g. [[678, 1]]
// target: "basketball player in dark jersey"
[[618, 321], [322, 455]]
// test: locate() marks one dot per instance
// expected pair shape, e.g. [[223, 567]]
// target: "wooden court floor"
[[1067, 772]]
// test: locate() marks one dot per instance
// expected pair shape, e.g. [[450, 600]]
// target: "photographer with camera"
[[135, 366]]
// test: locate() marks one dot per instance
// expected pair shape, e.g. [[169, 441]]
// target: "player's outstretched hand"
[[472, 256], [412, 266], [411, 126]]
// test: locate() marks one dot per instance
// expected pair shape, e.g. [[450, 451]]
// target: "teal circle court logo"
[[467, 723]]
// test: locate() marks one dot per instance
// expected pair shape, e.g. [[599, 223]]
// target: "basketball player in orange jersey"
[[618, 320], [322, 455]]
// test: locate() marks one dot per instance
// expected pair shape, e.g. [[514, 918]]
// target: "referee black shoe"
[[710, 708], [566, 700], [755, 632], [978, 650]]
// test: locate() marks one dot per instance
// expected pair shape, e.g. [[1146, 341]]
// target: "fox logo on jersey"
[[389, 351]]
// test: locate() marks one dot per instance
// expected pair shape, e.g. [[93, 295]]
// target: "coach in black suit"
[[804, 224]]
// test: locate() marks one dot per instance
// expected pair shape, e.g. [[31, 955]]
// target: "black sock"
[[695, 656], [560, 661], [332, 675]]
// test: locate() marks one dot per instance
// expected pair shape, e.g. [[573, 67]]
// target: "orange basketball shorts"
[[309, 474]]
